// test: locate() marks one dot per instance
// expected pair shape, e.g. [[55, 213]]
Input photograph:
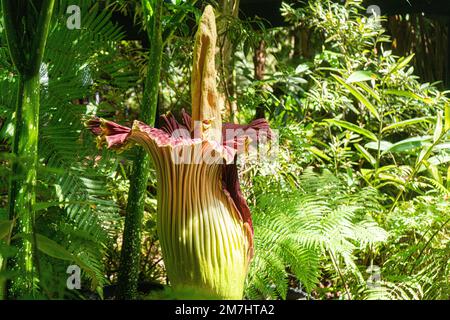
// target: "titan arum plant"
[[26, 25], [204, 223]]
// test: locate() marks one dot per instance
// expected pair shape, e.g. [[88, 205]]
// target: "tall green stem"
[[131, 247], [26, 27], [22, 187]]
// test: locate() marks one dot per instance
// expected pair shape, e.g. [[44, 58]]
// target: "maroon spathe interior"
[[116, 136]]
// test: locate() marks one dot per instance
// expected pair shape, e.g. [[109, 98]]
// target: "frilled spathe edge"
[[119, 138], [177, 136]]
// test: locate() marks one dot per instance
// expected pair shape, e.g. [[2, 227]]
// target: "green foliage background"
[[356, 207]]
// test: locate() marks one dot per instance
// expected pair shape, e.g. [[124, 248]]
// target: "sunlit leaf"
[[49, 247], [301, 68], [319, 153], [405, 123], [359, 96], [366, 154], [354, 128], [401, 63], [384, 145], [447, 117], [408, 94], [439, 159], [442, 146], [360, 76], [438, 130], [55, 250], [369, 90], [409, 144]]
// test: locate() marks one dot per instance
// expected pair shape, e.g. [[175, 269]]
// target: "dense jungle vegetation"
[[355, 204]]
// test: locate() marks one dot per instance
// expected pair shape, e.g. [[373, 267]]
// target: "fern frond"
[[295, 229]]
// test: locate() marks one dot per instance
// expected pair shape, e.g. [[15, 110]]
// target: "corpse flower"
[[203, 221]]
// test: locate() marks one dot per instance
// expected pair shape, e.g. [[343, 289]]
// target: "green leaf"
[[442, 146], [401, 63], [435, 161], [439, 159], [448, 178], [319, 153], [5, 228], [301, 68], [50, 247], [360, 76], [366, 154], [369, 90], [408, 144], [447, 117], [438, 130], [8, 274], [7, 251], [39, 206], [384, 145], [148, 9], [408, 94], [391, 177], [405, 123], [372, 109], [354, 128], [53, 249]]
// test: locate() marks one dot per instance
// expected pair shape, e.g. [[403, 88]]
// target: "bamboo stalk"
[[132, 236]]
